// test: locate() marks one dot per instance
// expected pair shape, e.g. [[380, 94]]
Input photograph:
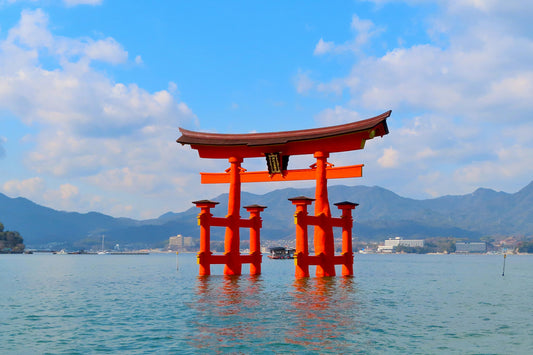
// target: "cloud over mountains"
[[461, 102], [113, 135]]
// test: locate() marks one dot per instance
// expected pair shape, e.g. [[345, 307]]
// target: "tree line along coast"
[[10, 242]]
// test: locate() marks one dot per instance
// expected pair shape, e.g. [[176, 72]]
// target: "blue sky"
[[92, 94]]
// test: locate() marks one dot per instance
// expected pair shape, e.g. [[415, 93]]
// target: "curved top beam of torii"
[[341, 138]]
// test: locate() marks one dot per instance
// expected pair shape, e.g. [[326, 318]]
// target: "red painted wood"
[[342, 172]]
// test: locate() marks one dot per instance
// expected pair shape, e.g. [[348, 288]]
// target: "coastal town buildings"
[[470, 247], [180, 243], [392, 243]]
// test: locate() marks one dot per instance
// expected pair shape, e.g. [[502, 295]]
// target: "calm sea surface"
[[425, 304]]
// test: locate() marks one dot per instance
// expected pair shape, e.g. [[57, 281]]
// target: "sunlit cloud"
[[323, 47], [112, 135], [454, 105], [390, 158], [337, 115], [363, 31], [303, 82], [29, 187]]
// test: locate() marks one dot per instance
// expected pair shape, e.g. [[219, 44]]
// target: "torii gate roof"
[[340, 138]]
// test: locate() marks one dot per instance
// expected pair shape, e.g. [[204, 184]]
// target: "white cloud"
[[517, 89], [65, 197], [107, 50], [31, 30], [426, 153], [303, 82], [390, 158], [32, 35], [87, 128], [173, 88], [484, 70], [461, 110], [363, 31], [30, 186], [323, 47], [68, 191], [336, 115], [126, 179], [509, 165], [77, 98]]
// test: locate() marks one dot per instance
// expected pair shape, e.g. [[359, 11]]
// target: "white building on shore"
[[391, 244], [180, 243]]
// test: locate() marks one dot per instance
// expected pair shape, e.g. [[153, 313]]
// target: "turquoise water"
[[155, 304]]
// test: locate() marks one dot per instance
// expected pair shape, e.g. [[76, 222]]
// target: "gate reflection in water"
[[236, 313]]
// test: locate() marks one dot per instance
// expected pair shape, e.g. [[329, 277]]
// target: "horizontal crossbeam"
[[223, 258], [341, 172]]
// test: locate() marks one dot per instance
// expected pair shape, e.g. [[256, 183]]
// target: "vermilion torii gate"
[[277, 147]]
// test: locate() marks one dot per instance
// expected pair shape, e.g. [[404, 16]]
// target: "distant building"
[[392, 243], [175, 242], [180, 243], [385, 249], [187, 242], [468, 247]]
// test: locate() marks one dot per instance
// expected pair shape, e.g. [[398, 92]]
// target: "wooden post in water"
[[504, 257], [347, 224], [255, 240], [301, 260], [204, 221]]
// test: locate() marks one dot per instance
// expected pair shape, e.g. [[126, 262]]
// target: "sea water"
[[156, 304]]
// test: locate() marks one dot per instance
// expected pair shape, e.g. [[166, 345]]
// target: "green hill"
[[381, 214]]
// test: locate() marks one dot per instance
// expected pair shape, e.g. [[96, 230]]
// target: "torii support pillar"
[[347, 247], [231, 257], [301, 260], [322, 261], [256, 223], [204, 221]]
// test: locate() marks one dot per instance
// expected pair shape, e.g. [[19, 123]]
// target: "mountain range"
[[381, 214]]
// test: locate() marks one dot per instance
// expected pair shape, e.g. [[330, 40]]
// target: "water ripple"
[[143, 305]]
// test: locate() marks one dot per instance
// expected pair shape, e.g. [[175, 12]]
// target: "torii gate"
[[277, 147]]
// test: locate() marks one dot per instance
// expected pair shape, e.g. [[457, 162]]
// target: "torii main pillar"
[[323, 236], [277, 147]]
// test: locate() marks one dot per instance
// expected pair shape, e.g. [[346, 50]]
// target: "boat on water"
[[281, 253], [102, 251]]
